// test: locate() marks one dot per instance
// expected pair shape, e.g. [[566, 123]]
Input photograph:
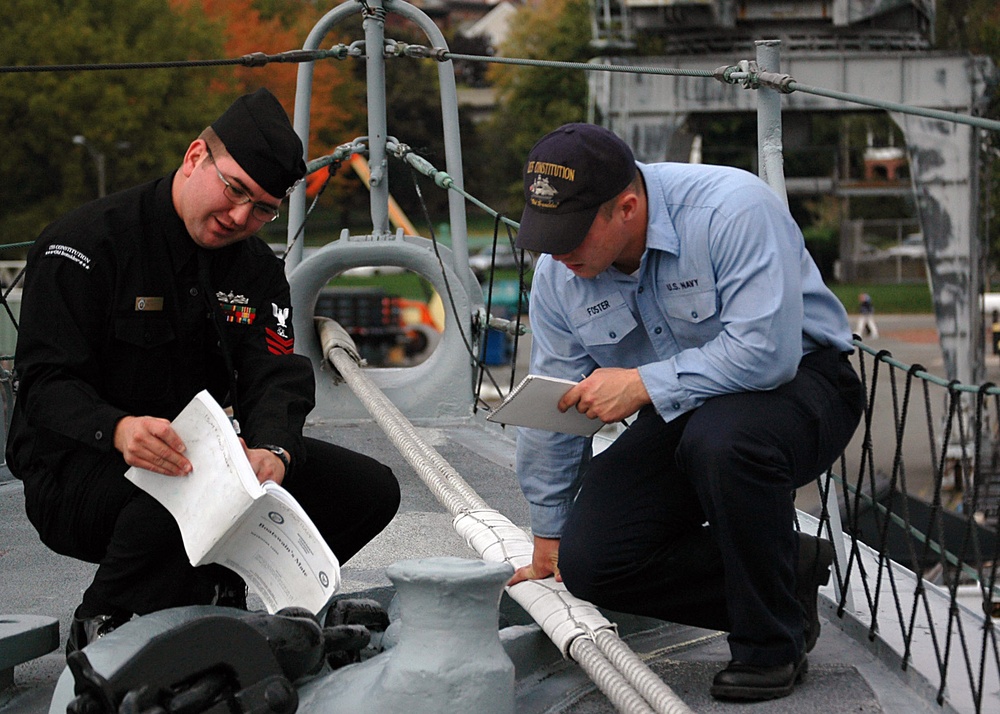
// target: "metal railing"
[[913, 572]]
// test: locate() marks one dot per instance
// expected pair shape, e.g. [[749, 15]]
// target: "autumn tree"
[[273, 26], [140, 121]]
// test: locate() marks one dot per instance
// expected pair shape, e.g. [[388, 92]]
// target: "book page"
[[281, 555], [208, 502], [533, 402]]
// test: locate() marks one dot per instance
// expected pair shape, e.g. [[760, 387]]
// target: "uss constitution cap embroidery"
[[570, 172]]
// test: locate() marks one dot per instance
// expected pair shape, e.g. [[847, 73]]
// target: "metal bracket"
[[214, 663]]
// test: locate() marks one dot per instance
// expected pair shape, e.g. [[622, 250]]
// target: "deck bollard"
[[447, 657]]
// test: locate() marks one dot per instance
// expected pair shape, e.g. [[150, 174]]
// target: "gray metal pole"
[[374, 25], [303, 101], [769, 147], [452, 140]]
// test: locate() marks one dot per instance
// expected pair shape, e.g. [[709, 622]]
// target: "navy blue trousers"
[[692, 520], [101, 517]]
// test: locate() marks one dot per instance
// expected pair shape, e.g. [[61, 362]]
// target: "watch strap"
[[277, 451]]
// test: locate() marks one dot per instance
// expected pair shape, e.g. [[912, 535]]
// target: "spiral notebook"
[[532, 403]]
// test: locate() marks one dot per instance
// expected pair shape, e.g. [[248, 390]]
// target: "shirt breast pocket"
[[693, 317], [139, 363], [608, 328]]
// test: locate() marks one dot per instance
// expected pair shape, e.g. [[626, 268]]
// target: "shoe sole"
[[729, 691], [818, 577]]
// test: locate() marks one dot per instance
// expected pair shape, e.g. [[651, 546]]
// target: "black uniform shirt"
[[114, 322]]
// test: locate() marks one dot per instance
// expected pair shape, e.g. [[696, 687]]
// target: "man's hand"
[[544, 562], [151, 443], [266, 465], [609, 394]]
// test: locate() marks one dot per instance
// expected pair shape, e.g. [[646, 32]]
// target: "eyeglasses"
[[261, 211]]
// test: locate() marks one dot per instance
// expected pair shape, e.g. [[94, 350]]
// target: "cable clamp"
[[299, 56], [340, 51], [776, 81], [254, 59], [743, 73]]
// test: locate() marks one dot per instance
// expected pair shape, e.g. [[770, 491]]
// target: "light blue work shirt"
[[726, 299]]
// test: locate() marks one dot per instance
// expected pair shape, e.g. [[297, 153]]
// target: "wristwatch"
[[277, 451]]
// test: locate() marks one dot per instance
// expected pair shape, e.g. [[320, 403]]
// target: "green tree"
[[141, 121], [533, 101]]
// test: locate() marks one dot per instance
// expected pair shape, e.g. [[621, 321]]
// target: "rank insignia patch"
[[239, 314], [278, 344]]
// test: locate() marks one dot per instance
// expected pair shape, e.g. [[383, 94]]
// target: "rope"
[[751, 79], [887, 358], [585, 66], [254, 59], [744, 73], [747, 74], [631, 691], [979, 122]]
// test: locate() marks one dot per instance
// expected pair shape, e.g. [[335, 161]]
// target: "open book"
[[532, 403], [227, 517]]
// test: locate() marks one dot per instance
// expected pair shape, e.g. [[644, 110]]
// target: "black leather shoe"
[[84, 630], [813, 571], [747, 682]]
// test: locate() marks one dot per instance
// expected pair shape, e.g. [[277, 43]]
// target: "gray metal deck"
[[845, 675]]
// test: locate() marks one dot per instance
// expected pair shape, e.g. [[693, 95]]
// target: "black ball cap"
[[570, 172], [260, 138]]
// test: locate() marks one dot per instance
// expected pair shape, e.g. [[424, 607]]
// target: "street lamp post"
[[99, 162]]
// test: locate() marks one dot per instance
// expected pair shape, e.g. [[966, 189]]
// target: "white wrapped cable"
[[494, 537], [568, 621], [561, 616]]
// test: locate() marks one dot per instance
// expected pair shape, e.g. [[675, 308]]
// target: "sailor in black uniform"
[[133, 304]]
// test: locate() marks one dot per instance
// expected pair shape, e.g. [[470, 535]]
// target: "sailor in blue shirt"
[[684, 293]]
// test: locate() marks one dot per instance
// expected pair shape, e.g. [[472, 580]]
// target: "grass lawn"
[[887, 299], [909, 298]]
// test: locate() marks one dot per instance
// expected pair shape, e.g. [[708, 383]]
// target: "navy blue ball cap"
[[570, 172], [259, 137]]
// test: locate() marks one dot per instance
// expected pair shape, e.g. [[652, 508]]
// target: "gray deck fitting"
[[23, 638]]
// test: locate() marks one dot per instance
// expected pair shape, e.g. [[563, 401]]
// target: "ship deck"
[[848, 673]]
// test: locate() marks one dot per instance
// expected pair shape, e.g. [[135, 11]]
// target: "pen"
[[621, 421]]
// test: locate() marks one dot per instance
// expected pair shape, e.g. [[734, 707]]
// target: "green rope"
[[957, 386], [444, 180], [724, 74]]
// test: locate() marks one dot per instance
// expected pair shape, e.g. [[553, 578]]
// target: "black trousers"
[[101, 517], [692, 521]]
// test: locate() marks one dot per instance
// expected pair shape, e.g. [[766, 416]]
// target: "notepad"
[[532, 403]]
